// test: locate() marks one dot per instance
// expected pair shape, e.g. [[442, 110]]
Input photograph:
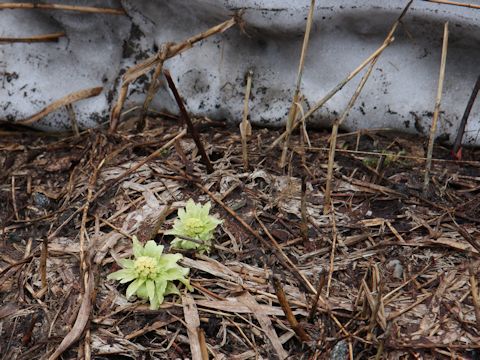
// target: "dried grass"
[[400, 272]]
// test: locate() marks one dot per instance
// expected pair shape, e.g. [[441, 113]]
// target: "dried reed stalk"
[[292, 114], [245, 126], [339, 121], [475, 294], [332, 92], [436, 112], [32, 39], [69, 99], [455, 3], [82, 9], [167, 52]]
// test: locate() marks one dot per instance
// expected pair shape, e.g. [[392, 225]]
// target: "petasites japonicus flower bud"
[[152, 273], [194, 222]]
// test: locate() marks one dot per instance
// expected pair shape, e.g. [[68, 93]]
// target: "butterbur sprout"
[[151, 273], [194, 222]]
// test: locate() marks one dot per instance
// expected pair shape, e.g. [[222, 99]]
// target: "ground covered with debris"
[[385, 271]]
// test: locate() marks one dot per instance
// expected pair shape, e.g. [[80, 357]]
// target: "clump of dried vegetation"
[[395, 272], [339, 251]]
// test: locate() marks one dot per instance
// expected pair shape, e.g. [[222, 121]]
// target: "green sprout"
[[390, 159], [151, 273], [194, 223]]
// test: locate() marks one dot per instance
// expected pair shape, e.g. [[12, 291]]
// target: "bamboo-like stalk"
[[33, 39], [245, 126], [292, 114], [82, 9], [475, 295], [191, 128], [455, 3], [332, 92], [341, 119], [282, 299], [68, 99], [436, 112]]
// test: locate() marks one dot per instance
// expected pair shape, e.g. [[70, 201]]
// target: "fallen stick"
[[69, 99], [33, 39], [82, 9], [455, 3]]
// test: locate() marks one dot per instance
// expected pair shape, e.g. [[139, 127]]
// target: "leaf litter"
[[396, 270]]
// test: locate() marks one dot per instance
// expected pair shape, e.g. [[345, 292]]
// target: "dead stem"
[[292, 114], [245, 126], [341, 119], [33, 39], [167, 52], [73, 120], [475, 294], [303, 210], [456, 151], [455, 3], [153, 87], [83, 9], [191, 128], [69, 99], [332, 252], [282, 299], [332, 92], [313, 307], [436, 112]]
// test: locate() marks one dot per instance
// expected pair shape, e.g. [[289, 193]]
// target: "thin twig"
[[82, 9], [191, 129], [463, 123], [292, 114], [438, 100], [245, 126], [282, 299], [33, 39], [341, 119], [455, 3], [68, 99], [332, 92]]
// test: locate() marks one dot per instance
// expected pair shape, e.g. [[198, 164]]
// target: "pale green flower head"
[[151, 273], [194, 222]]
